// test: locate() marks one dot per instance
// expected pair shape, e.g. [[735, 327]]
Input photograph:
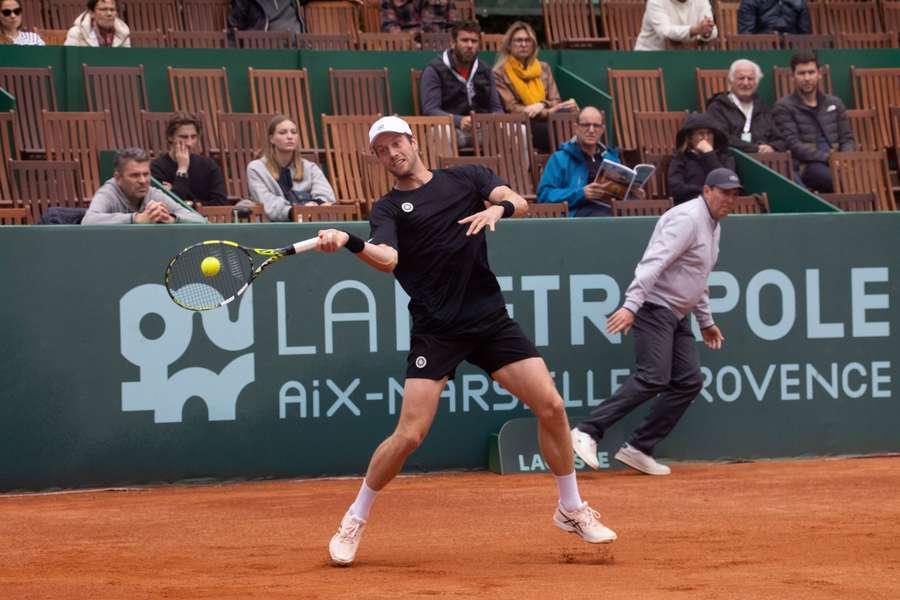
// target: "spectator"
[[771, 16], [281, 178], [457, 83], [570, 172], [188, 175], [700, 148], [812, 124], [681, 21], [525, 84], [417, 16], [742, 114], [11, 26], [266, 15], [128, 197], [100, 26]]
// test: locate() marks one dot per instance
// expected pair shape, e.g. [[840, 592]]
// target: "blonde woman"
[[281, 178], [100, 27], [525, 84], [11, 26]]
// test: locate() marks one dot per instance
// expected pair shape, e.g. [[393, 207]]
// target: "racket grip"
[[305, 245]]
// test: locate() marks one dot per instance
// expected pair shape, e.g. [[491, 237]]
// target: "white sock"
[[569, 497], [364, 500]]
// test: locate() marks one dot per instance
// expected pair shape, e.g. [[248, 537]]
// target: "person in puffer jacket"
[[769, 16], [700, 148]]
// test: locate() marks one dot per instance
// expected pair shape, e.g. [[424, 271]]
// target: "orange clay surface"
[[799, 529]]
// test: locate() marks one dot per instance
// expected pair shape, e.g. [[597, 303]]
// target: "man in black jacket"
[[266, 15], [769, 16], [457, 83], [812, 124], [742, 114], [189, 175]]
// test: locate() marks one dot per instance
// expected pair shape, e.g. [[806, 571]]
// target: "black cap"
[[722, 178]]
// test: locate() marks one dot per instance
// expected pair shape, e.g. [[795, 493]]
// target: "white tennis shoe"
[[639, 461], [585, 522], [345, 542], [585, 447]]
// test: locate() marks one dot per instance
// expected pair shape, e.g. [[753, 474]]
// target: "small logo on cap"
[[421, 362], [407, 207]]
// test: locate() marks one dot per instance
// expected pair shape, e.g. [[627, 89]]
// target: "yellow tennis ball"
[[210, 266]]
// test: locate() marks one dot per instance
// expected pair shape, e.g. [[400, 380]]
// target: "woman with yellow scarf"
[[526, 84]]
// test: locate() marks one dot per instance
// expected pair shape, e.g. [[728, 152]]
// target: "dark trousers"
[[816, 176], [668, 365]]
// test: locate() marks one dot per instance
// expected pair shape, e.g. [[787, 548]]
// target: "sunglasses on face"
[[7, 12]]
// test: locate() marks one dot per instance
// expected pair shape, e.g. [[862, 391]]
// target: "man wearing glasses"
[[570, 173]]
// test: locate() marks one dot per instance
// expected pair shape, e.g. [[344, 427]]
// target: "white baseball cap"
[[389, 124]]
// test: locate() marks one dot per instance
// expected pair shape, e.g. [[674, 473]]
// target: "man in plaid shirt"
[[417, 16]]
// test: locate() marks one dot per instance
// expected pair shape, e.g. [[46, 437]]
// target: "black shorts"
[[437, 356]]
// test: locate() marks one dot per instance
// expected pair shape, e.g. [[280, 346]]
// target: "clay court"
[[798, 529]]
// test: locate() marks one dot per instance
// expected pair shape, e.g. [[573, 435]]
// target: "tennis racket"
[[197, 283]]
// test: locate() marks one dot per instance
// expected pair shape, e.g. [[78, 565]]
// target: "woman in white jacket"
[[281, 178], [100, 26], [681, 21]]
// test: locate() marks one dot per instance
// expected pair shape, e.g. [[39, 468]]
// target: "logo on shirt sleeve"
[[421, 362]]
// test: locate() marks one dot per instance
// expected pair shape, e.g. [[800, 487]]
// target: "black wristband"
[[508, 208], [354, 244]]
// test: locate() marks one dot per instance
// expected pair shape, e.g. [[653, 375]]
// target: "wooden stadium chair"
[[344, 136], [634, 91], [753, 41], [490, 162], [376, 180], [150, 15], [333, 16], [387, 42], [491, 42], [15, 216], [465, 10], [878, 89], [371, 16], [233, 214], [886, 39], [658, 186], [415, 75], [53, 37], [890, 15], [326, 41], [201, 90], [755, 204], [507, 136], [561, 128], [78, 136], [624, 18], [709, 83], [656, 131], [867, 202], [864, 123], [852, 17], [437, 41], [818, 17], [360, 91], [539, 162], [61, 14], [8, 151], [547, 210], [153, 130], [326, 212], [40, 184], [726, 19], [206, 15], [243, 136], [285, 92], [806, 41], [640, 208], [123, 92], [34, 91], [894, 113], [780, 162], [33, 16], [783, 81], [436, 137], [860, 172], [572, 24], [264, 40], [716, 44], [148, 39], [198, 39]]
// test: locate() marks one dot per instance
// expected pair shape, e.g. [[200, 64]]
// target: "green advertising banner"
[[106, 381]]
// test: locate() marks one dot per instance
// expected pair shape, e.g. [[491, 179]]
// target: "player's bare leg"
[[530, 381], [420, 402]]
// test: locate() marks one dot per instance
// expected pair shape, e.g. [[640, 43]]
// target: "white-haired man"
[[437, 220], [742, 114]]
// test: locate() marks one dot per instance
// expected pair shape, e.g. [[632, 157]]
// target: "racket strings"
[[193, 289]]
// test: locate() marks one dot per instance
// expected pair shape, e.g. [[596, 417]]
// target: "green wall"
[[105, 381]]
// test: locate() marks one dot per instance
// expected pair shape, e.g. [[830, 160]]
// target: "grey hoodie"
[[109, 206]]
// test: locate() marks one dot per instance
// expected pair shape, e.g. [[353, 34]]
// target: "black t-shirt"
[[205, 182], [446, 273]]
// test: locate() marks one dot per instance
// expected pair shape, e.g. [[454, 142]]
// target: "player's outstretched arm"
[[381, 257], [503, 202]]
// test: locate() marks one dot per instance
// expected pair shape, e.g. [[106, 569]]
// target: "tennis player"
[[429, 231]]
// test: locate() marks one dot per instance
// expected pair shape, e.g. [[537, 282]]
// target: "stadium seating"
[[123, 92], [640, 208], [360, 91], [78, 136], [40, 184]]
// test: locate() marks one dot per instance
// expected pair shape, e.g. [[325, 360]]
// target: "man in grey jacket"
[[669, 283], [128, 197]]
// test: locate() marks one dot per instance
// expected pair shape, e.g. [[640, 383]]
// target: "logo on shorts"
[[407, 207], [421, 362]]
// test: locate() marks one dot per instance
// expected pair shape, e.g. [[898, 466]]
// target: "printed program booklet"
[[618, 180]]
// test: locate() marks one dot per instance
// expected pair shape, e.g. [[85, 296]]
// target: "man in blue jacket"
[[570, 172]]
